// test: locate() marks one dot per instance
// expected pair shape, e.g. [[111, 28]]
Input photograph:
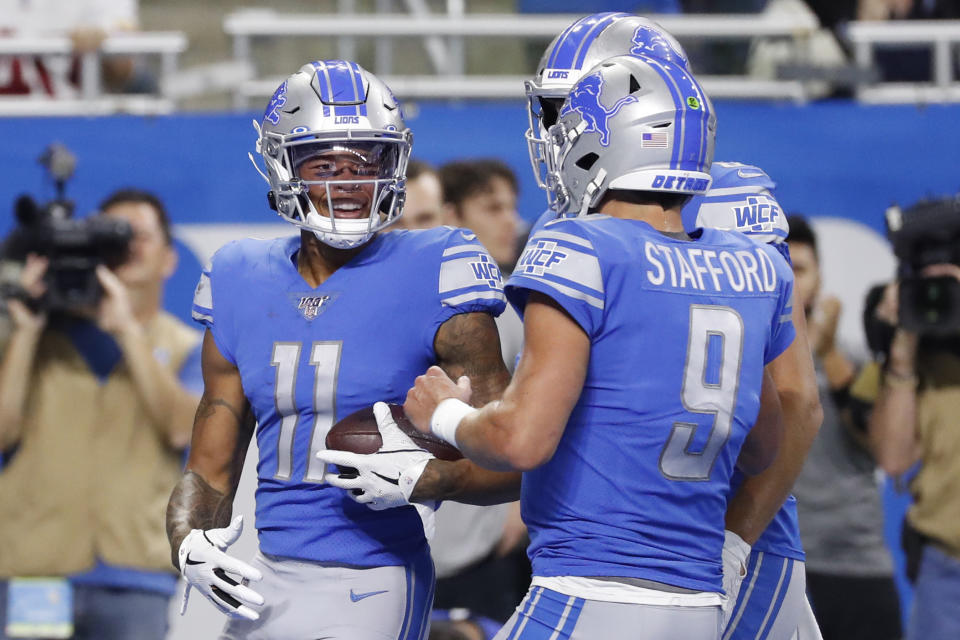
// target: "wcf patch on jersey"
[[540, 257], [486, 270]]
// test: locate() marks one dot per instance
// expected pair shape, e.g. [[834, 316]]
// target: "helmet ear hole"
[[550, 111], [587, 161]]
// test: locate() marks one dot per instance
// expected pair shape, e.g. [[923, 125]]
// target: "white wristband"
[[446, 419]]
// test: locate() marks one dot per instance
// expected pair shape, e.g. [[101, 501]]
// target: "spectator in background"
[[87, 23], [915, 420], [95, 413], [479, 552], [895, 64], [849, 569], [481, 195], [423, 208]]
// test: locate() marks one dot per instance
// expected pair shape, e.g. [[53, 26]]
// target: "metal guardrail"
[[449, 80], [92, 100], [940, 35], [444, 36]]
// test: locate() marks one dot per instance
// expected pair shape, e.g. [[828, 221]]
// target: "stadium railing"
[[940, 35], [90, 98], [444, 34]]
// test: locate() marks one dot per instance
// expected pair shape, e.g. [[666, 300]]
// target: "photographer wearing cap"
[[915, 418], [95, 412]]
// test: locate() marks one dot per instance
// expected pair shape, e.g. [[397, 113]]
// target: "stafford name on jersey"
[[721, 271]]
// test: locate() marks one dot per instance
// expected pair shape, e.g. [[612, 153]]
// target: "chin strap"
[[592, 192]]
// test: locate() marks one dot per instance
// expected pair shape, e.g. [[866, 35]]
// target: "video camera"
[[74, 247], [925, 234]]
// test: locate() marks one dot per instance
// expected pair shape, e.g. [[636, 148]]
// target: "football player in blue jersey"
[[642, 381], [740, 198], [304, 330], [761, 515]]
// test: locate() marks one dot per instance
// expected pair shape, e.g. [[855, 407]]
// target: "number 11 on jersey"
[[325, 360]]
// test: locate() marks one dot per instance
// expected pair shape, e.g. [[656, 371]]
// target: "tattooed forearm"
[[438, 481], [469, 345], [463, 481], [194, 504], [208, 406]]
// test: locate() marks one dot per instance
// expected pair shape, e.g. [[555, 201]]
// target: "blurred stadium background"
[[848, 118]]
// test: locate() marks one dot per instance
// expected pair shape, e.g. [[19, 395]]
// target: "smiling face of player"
[[336, 172]]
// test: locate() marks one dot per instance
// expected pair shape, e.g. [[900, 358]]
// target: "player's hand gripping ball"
[[359, 433], [380, 457]]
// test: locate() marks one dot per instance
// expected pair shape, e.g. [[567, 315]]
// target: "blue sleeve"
[[469, 279], [560, 262], [740, 197], [541, 221], [782, 331], [205, 297], [202, 310], [191, 375], [784, 250]]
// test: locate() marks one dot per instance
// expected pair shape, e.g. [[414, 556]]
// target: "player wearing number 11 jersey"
[[302, 331]]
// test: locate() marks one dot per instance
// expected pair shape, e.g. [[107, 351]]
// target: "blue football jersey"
[[547, 216], [680, 333], [311, 356], [740, 198]]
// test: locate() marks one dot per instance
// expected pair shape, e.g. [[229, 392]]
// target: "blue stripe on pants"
[[420, 584], [778, 603], [530, 600], [761, 597], [552, 615]]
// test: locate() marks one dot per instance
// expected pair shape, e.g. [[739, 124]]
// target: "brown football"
[[358, 433]]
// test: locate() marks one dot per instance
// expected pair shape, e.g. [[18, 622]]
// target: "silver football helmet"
[[335, 149], [634, 123], [581, 46]]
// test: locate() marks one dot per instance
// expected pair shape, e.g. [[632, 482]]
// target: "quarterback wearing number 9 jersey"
[[642, 381], [304, 330]]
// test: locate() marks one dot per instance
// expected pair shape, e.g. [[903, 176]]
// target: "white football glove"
[[204, 565], [735, 555], [384, 479]]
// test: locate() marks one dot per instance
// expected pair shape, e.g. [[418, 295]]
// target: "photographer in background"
[[915, 418], [96, 407]]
